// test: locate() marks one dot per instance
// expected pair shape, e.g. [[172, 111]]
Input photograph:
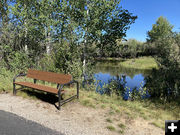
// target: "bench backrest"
[[49, 76]]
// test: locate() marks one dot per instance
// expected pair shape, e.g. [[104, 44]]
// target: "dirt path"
[[73, 119]]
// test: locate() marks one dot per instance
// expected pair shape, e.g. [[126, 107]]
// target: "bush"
[[6, 77], [17, 62], [116, 86], [131, 49], [165, 82], [47, 63]]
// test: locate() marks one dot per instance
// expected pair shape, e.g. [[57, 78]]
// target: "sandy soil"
[[73, 119]]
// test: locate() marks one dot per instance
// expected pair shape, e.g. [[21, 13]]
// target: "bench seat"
[[39, 87]]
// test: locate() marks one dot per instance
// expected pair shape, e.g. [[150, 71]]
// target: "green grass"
[[109, 120], [103, 106], [155, 112], [141, 63], [122, 126], [121, 132], [88, 102], [6, 79], [109, 58], [111, 128], [144, 63], [157, 124]]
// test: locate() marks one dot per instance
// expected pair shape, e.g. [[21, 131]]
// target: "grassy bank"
[[153, 111], [140, 63]]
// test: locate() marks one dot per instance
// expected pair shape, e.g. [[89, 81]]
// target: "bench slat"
[[39, 87], [49, 76]]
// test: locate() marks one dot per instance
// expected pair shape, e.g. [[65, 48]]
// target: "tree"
[[63, 27], [109, 22], [162, 29], [131, 48], [164, 83]]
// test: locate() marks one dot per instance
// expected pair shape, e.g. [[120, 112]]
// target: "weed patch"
[[111, 128], [109, 120]]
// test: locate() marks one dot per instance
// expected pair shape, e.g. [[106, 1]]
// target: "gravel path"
[[73, 119]]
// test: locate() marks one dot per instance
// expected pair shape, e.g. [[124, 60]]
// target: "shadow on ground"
[[43, 96]]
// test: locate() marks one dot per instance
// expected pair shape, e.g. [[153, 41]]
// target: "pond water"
[[107, 70]]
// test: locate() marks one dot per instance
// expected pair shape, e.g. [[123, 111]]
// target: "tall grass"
[[153, 111], [6, 80]]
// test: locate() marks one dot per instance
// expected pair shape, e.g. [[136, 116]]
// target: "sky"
[[148, 12]]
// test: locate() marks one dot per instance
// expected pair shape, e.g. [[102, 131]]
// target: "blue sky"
[[148, 11]]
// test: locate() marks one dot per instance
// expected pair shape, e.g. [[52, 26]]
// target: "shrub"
[[165, 82]]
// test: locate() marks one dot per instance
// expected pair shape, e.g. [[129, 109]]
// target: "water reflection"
[[113, 69], [106, 72]]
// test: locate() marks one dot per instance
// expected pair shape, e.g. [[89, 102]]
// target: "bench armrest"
[[21, 74], [67, 100], [71, 82], [68, 84]]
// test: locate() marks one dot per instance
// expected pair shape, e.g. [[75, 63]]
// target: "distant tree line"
[[133, 48]]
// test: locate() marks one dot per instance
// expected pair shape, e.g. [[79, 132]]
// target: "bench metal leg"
[[14, 89], [59, 102], [35, 81], [77, 90], [59, 97]]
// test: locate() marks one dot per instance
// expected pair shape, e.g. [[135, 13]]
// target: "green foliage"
[[164, 83], [47, 63], [4, 12], [13, 58], [68, 32], [6, 79], [116, 86], [68, 59], [109, 22], [138, 94], [19, 61], [131, 48], [161, 30]]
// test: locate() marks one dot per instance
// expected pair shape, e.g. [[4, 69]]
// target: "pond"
[[105, 71]]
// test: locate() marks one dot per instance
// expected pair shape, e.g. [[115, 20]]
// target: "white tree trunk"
[[48, 51], [25, 46], [85, 44], [47, 42]]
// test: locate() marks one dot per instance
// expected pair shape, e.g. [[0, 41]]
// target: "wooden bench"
[[60, 79]]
